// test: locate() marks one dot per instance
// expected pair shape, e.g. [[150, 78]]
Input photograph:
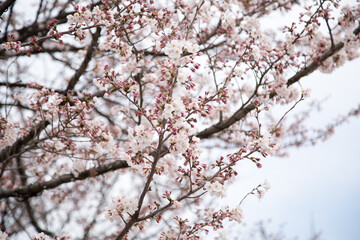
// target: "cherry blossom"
[[3, 235], [156, 103], [120, 207]]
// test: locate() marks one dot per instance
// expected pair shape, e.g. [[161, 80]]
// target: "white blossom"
[[140, 137], [41, 236], [120, 205], [179, 143], [175, 48], [216, 189], [74, 19], [177, 204], [3, 235], [236, 214], [175, 108], [265, 141], [10, 134]]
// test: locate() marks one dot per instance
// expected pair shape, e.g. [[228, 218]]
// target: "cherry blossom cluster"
[[267, 144], [175, 48], [8, 132], [177, 96], [261, 189], [11, 46], [121, 207], [140, 138], [84, 17], [216, 188], [43, 236], [234, 214], [3, 235], [212, 220]]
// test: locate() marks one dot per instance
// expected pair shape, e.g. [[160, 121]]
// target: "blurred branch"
[[58, 49], [86, 61], [39, 28], [33, 221], [29, 208], [9, 19], [16, 104], [5, 5], [38, 187], [10, 151]]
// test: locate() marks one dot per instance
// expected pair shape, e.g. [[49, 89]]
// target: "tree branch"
[[40, 28], [48, 50], [33, 221], [14, 149], [29, 208], [38, 187], [5, 5], [86, 61]]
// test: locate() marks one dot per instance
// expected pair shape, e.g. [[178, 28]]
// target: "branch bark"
[[5, 5], [38, 187], [86, 61], [29, 208]]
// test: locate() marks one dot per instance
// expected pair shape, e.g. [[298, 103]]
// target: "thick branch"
[[38, 187], [12, 85], [5, 5], [35, 51], [86, 61], [29, 208], [314, 65], [33, 220], [238, 115]]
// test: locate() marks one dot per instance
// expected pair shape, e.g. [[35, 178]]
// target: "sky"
[[315, 189]]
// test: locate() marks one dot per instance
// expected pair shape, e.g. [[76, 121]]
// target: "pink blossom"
[[120, 206]]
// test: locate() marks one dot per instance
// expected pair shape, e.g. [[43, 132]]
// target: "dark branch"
[[37, 28], [12, 85], [314, 65], [33, 221], [5, 5], [29, 208], [38, 187], [86, 61], [35, 51]]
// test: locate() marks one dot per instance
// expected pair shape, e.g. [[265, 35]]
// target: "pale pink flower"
[[119, 206], [216, 188], [179, 143], [41, 236], [236, 214], [8, 134], [74, 19], [177, 204], [175, 108], [3, 235]]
